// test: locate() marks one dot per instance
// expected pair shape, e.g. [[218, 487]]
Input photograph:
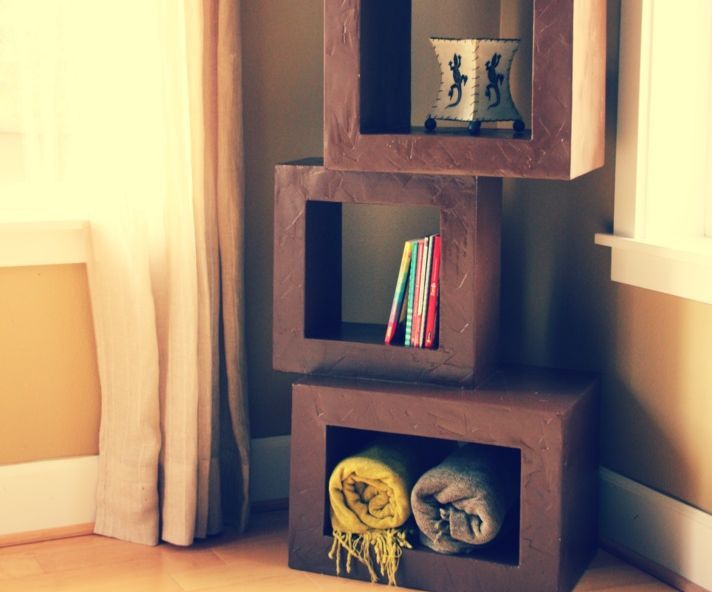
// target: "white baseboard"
[[656, 527], [52, 494], [47, 494], [672, 534]]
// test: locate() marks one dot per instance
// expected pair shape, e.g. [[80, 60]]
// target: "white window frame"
[[662, 237], [55, 242], [39, 222]]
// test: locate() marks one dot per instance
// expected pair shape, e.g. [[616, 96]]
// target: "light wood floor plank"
[[18, 565], [96, 578], [615, 576], [256, 562], [263, 550], [244, 573]]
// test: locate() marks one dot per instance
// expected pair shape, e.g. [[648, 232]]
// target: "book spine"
[[411, 290], [425, 292], [394, 317], [433, 297], [421, 287], [415, 331]]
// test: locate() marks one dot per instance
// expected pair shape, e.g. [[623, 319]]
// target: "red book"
[[427, 265], [416, 297], [432, 318]]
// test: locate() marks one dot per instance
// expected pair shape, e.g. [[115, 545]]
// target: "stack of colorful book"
[[415, 302]]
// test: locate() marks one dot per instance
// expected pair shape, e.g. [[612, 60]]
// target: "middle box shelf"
[[310, 332]]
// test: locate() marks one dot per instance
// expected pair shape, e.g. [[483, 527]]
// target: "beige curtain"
[[166, 275], [222, 81], [130, 114]]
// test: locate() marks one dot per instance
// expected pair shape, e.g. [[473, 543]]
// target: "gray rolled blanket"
[[463, 502]]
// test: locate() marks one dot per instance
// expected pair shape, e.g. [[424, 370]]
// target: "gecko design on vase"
[[459, 80], [495, 80]]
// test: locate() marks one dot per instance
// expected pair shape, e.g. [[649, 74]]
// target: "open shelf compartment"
[[350, 277], [342, 442], [548, 419], [368, 74], [412, 80], [310, 332]]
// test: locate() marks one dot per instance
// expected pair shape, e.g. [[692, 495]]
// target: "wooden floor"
[[256, 562]]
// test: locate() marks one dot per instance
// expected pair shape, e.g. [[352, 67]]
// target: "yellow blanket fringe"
[[369, 498], [387, 545]]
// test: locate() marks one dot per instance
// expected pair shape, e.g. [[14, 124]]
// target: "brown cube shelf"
[[546, 418], [309, 335], [367, 77]]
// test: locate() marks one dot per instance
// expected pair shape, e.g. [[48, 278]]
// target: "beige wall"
[[562, 310], [371, 259], [49, 388], [283, 121], [559, 306]]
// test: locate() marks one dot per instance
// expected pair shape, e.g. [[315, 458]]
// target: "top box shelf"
[[367, 124]]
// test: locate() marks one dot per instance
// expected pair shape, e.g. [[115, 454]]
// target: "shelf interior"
[[400, 76], [353, 332], [342, 442], [352, 260]]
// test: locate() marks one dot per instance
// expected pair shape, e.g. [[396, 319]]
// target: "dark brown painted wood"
[[308, 336], [568, 90], [550, 417]]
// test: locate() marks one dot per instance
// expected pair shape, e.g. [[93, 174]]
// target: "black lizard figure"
[[459, 79], [495, 80]]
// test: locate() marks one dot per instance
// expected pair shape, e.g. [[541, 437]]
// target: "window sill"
[[43, 243], [682, 269]]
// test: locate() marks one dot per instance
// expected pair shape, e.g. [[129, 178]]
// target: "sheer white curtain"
[[130, 115]]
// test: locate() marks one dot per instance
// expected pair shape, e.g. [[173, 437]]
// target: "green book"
[[399, 295], [411, 293]]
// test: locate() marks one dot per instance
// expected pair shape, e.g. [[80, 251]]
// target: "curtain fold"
[[166, 279], [230, 182], [131, 113]]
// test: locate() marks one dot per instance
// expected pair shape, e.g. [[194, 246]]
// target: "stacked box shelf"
[[547, 418], [367, 97], [309, 335], [545, 421]]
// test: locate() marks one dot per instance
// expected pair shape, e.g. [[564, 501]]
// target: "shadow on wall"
[[560, 309], [657, 385], [632, 426], [555, 281], [283, 121]]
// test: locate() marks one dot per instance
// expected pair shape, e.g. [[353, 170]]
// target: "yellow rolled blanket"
[[369, 494]]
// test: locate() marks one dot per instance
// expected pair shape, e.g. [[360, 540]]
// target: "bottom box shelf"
[[547, 419]]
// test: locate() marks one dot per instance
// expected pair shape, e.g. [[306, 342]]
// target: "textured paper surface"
[[475, 79]]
